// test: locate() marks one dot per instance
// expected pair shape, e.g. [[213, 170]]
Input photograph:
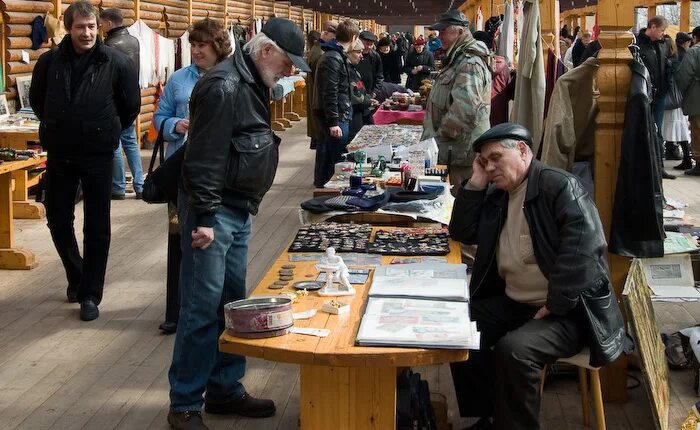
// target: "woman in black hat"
[[391, 61]]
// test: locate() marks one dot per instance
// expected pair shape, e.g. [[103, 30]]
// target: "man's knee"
[[513, 349]]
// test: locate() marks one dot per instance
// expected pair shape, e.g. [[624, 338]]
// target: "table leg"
[[347, 398], [22, 207], [10, 258]]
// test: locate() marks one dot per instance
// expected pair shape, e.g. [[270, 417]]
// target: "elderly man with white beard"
[[229, 164]]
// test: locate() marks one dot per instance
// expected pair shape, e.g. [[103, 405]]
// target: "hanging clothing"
[[555, 68], [528, 109], [144, 34], [505, 41], [637, 228], [185, 50], [568, 134], [166, 58]]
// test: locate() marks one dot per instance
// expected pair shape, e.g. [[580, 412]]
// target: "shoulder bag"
[[161, 183]]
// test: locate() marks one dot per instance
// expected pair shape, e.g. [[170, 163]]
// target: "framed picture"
[[4, 109], [23, 84]]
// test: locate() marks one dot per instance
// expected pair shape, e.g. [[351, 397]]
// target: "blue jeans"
[[209, 278], [657, 110], [127, 140]]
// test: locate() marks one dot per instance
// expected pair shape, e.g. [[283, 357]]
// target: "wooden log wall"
[[264, 8], [296, 14], [237, 9]]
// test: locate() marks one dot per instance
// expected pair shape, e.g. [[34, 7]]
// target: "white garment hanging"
[[479, 20], [185, 50], [505, 41], [144, 34], [166, 58]]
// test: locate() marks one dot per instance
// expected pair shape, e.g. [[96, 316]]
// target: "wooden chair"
[[581, 361]]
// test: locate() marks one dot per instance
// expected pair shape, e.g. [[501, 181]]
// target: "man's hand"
[[336, 132], [202, 237], [374, 102], [182, 126], [480, 178], [543, 312]]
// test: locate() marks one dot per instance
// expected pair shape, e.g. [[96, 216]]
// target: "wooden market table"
[[343, 386], [10, 257], [23, 208]]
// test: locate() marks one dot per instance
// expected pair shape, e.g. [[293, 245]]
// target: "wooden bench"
[[342, 386]]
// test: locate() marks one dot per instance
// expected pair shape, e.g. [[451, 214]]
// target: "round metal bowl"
[[308, 285], [259, 317]]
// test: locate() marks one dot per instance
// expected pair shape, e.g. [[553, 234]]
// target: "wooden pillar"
[[189, 12], [615, 18], [549, 27], [651, 11], [685, 16]]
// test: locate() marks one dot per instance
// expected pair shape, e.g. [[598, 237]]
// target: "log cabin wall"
[[170, 18]]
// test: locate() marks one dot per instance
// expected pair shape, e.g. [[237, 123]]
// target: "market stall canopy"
[[386, 12]]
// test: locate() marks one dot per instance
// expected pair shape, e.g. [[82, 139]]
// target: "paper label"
[[279, 320], [25, 57], [320, 332]]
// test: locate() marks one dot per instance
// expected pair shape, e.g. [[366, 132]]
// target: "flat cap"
[[368, 36], [506, 130], [451, 17]]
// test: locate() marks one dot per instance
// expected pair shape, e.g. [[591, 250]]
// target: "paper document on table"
[[422, 280], [670, 277], [390, 321], [677, 243]]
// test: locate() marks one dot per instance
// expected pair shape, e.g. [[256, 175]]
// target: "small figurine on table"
[[336, 270]]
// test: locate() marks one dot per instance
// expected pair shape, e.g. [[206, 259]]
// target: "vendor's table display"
[[10, 257], [343, 386], [395, 135], [384, 116]]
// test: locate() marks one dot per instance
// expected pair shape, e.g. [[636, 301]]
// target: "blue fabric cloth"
[[128, 142], [209, 278], [174, 106]]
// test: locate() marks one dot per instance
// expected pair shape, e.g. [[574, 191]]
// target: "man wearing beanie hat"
[[419, 63], [540, 260], [229, 164], [459, 105]]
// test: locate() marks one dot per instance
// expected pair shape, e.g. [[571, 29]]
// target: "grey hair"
[[512, 144], [458, 27], [255, 46]]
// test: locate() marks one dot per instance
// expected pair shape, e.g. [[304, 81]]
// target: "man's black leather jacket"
[[120, 39], [567, 238], [231, 154], [332, 80]]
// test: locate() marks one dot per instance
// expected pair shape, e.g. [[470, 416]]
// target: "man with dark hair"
[[331, 104], [314, 55], [688, 79], [541, 258], [229, 132], [117, 36], [85, 94], [654, 52]]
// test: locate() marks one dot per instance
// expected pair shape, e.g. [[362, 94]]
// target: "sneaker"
[[189, 420], [246, 406], [72, 294], [116, 196], [88, 310], [695, 171]]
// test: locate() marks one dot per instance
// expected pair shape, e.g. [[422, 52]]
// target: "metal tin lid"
[[259, 303]]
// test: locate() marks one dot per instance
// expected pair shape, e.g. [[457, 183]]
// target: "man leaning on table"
[[540, 261], [230, 163]]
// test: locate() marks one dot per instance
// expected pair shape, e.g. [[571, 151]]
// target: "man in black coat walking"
[[85, 94]]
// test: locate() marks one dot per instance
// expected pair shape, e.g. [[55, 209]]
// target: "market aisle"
[[57, 372]]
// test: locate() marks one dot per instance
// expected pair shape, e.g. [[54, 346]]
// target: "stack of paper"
[[425, 280], [417, 323], [671, 278]]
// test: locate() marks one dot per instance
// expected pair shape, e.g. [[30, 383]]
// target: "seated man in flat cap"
[[540, 261]]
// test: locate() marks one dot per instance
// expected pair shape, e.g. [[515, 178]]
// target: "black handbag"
[[674, 98], [161, 183]]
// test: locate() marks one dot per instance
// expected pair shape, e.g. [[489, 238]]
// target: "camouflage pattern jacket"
[[459, 106]]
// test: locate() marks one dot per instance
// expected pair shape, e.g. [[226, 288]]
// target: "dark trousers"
[[657, 108], [63, 176], [328, 152], [502, 379]]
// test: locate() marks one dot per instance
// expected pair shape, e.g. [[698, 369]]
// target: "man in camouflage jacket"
[[459, 106]]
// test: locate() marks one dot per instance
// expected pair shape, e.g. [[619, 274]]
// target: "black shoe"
[[118, 196], [246, 406], [482, 424], [686, 164], [695, 171], [88, 310], [72, 294], [666, 175], [168, 327], [138, 196], [190, 420]]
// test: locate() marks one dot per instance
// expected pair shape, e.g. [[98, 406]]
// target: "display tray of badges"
[[343, 237], [410, 241]]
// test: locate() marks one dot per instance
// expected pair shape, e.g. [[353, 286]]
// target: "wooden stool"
[[581, 361]]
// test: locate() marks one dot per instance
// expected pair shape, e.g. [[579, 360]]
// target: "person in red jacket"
[[502, 83]]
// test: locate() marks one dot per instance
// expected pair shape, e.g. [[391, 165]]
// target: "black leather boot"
[[687, 162]]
